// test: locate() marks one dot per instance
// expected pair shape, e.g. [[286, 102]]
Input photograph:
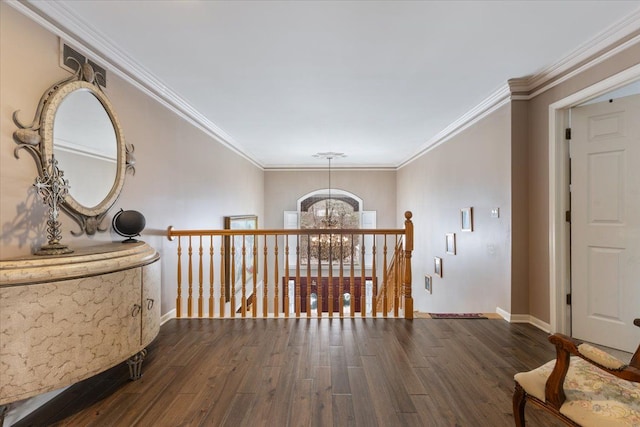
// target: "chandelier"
[[329, 219], [325, 247]]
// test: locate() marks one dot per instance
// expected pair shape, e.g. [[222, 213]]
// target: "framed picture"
[[437, 266], [466, 219], [427, 283], [238, 222], [450, 246]]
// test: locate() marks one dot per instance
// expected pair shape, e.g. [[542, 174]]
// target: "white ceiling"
[[377, 80]]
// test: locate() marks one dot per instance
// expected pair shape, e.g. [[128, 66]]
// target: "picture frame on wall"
[[450, 245], [427, 283], [437, 266], [238, 222], [466, 219]]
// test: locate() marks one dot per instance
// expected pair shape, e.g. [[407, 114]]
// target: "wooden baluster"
[[254, 296], [396, 279], [341, 281], [308, 278], [190, 284], [297, 284], [363, 285], [223, 281], [211, 276], [330, 283], [319, 287], [400, 288], [265, 285], [352, 298], [200, 280], [374, 278], [408, 248], [232, 278], [276, 312], [179, 296], [385, 280], [243, 285], [285, 285]]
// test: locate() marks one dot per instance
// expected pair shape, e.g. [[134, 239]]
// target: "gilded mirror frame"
[[37, 138]]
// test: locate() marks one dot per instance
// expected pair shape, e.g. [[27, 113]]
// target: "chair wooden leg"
[[519, 401]]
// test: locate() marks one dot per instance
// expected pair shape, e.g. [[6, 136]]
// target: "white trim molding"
[[523, 318], [61, 21], [171, 314], [497, 99], [584, 57], [58, 19]]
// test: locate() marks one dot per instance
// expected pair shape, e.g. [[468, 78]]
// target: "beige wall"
[[471, 169], [519, 208], [183, 177]]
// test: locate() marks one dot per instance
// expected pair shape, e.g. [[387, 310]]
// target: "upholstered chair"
[[583, 386]]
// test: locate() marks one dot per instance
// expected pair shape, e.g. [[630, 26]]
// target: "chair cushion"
[[595, 398], [601, 357]]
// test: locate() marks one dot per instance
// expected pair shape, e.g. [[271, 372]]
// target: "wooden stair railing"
[[388, 295], [264, 263]]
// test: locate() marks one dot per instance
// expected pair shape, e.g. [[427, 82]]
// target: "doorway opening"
[[559, 197]]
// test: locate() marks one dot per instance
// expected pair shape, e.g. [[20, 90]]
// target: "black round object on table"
[[128, 224]]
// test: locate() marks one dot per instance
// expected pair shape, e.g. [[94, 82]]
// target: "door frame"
[[559, 244]]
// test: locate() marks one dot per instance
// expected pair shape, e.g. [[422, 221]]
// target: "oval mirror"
[[80, 128], [86, 147], [76, 125]]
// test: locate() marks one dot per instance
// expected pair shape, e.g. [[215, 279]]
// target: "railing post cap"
[[408, 215]]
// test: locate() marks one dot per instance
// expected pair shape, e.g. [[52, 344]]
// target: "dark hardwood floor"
[[310, 372]]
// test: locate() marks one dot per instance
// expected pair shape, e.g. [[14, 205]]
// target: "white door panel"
[[605, 222]]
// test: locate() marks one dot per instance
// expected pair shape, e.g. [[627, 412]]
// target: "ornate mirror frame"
[[37, 139]]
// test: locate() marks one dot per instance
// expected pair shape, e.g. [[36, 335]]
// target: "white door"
[[605, 222]]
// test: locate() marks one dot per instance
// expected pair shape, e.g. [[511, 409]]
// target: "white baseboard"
[[523, 318], [171, 314], [504, 314]]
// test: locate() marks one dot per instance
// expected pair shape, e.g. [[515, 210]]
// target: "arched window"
[[329, 210], [335, 209]]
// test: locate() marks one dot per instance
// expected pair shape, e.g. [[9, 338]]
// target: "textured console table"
[[66, 318]]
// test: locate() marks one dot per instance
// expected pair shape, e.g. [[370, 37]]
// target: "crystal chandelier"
[[329, 220]]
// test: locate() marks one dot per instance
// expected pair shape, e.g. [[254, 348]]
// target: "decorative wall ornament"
[[466, 219], [53, 188], [428, 283], [437, 266], [450, 243], [37, 138]]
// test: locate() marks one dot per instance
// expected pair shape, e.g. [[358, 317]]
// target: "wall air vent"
[[69, 56]]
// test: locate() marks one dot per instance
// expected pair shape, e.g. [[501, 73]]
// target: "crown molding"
[[497, 99], [609, 42], [61, 21], [591, 52], [348, 168], [64, 23]]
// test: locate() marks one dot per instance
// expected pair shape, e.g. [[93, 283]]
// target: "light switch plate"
[[495, 213]]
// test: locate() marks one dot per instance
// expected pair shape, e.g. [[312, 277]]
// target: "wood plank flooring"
[[314, 372]]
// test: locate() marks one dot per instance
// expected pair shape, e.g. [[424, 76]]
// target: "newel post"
[[408, 248]]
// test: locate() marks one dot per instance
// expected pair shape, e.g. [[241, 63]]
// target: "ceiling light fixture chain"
[[328, 220]]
